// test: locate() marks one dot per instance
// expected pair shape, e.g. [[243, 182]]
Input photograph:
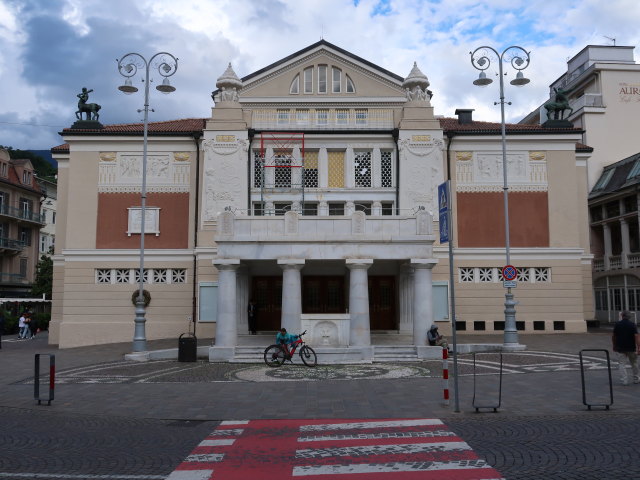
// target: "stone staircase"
[[395, 353], [249, 354]]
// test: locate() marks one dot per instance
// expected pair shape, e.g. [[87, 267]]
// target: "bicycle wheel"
[[308, 356], [274, 356]]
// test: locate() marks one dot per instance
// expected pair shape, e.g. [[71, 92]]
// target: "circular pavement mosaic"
[[327, 372]]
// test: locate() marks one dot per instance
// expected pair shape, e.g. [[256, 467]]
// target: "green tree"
[[44, 278]]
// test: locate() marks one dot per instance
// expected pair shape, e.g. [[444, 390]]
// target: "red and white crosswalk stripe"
[[390, 449]]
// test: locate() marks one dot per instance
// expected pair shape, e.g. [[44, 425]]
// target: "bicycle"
[[275, 355]]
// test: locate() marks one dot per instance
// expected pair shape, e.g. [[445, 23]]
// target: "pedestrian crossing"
[[346, 449]]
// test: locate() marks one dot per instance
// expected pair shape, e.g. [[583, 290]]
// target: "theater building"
[[312, 190]]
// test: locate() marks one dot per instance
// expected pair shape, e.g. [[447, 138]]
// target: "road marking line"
[[405, 448], [190, 475], [216, 443], [387, 467], [371, 424]]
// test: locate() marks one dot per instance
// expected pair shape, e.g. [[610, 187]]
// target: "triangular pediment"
[[321, 72]]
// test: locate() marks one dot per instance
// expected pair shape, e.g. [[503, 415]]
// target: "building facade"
[[311, 190], [20, 223], [603, 85]]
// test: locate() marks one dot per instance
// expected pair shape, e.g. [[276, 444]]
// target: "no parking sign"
[[509, 272]]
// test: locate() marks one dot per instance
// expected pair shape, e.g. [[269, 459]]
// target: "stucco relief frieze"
[[483, 172], [122, 173], [422, 164], [224, 190]]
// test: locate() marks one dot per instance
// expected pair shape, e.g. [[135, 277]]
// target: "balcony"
[[616, 262], [329, 119], [22, 214], [587, 100], [12, 279], [10, 245]]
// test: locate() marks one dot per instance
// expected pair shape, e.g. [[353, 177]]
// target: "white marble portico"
[[294, 243]]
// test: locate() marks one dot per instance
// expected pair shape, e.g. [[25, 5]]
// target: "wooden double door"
[[325, 294]]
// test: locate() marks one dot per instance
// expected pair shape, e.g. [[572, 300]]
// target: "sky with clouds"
[[50, 49]]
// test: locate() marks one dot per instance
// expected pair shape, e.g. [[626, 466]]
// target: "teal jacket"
[[286, 338]]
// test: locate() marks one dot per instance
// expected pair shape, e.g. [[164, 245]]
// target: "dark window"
[[25, 236], [630, 204], [363, 207], [558, 325], [520, 326], [596, 213], [538, 325], [461, 326], [479, 325], [258, 208], [387, 208], [336, 208], [499, 325], [310, 209], [612, 209]]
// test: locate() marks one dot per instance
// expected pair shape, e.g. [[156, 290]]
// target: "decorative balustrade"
[[319, 119]]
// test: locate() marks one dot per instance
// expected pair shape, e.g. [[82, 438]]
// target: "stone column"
[[422, 299], [626, 248], [226, 319], [359, 325], [606, 231], [406, 299], [323, 209], [376, 177], [291, 293], [323, 168]]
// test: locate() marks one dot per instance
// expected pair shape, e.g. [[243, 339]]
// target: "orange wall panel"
[[481, 219], [113, 220]]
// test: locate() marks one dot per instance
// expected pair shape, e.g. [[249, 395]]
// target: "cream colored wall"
[[103, 313], [566, 201], [63, 195], [612, 134], [562, 299], [82, 201]]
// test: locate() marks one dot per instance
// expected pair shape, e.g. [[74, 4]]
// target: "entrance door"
[[382, 303], [323, 295], [267, 293]]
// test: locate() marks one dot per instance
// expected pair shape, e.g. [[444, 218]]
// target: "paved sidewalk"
[[538, 384]]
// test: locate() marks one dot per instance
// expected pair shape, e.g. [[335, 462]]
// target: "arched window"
[[351, 88], [308, 80], [337, 80], [295, 85]]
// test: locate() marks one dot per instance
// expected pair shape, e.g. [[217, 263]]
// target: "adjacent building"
[[20, 222], [312, 190]]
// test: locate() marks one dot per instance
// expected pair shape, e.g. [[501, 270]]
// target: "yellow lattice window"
[[336, 169], [311, 169]]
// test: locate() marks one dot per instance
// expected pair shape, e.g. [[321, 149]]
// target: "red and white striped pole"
[[445, 375]]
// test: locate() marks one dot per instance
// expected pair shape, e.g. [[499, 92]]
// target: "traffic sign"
[[509, 272], [509, 284]]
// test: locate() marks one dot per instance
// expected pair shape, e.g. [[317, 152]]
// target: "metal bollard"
[[584, 390], [36, 378], [445, 375]]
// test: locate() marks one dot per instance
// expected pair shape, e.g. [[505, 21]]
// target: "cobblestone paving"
[[595, 446], [170, 371]]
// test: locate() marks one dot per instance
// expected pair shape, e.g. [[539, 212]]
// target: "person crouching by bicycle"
[[285, 339]]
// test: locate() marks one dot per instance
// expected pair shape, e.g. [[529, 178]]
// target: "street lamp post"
[[519, 59], [128, 67]]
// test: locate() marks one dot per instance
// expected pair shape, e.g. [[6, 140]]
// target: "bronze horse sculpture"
[[91, 109], [560, 105]]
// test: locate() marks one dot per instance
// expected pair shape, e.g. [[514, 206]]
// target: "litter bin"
[[187, 347]]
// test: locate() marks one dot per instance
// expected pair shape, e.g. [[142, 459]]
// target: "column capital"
[[288, 263], [423, 263], [358, 263], [226, 263]]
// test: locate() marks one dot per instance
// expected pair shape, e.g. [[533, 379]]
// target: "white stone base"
[[221, 354], [428, 352]]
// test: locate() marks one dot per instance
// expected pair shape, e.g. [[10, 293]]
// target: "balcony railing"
[[330, 119], [12, 278], [587, 100], [22, 214], [616, 262], [11, 244]]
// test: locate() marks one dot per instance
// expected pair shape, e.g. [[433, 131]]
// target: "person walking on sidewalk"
[[626, 343]]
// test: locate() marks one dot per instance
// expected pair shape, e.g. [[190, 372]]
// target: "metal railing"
[[12, 278], [22, 214], [11, 244]]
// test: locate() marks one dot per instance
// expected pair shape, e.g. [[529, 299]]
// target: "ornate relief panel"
[[224, 174], [483, 172], [122, 172], [421, 159]]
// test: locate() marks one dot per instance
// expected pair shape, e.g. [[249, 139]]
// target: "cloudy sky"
[[50, 49]]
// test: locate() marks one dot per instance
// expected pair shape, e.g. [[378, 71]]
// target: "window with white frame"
[[302, 116], [283, 116], [351, 88], [336, 80], [342, 116], [308, 80], [362, 115], [26, 177], [294, 89], [322, 79]]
